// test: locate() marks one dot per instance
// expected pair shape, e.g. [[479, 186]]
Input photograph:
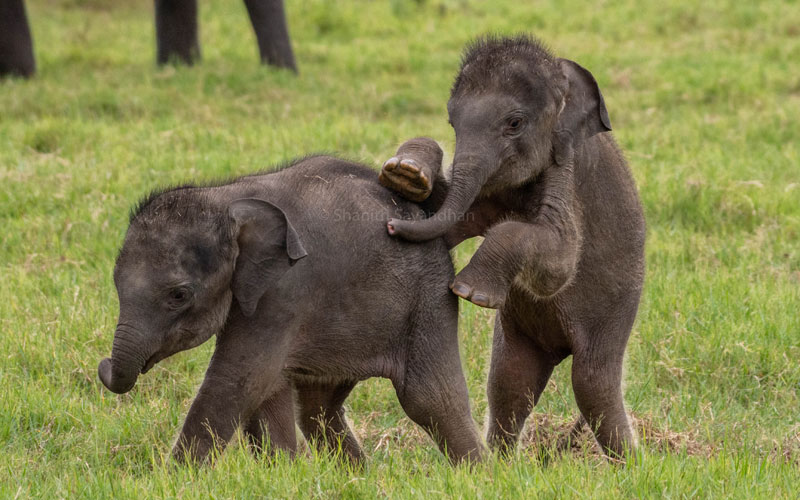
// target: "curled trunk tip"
[[114, 380]]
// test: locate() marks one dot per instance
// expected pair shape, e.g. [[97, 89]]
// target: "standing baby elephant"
[[563, 255], [307, 296]]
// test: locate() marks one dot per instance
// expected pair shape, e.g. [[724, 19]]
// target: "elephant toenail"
[[411, 165], [480, 299], [461, 290]]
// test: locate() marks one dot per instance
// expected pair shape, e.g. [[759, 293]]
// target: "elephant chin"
[[115, 380]]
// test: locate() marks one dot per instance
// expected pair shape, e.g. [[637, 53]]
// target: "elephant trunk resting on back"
[[307, 294], [537, 174]]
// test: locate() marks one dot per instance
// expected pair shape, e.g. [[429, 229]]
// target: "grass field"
[[704, 98]]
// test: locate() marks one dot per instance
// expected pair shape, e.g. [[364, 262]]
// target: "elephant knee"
[[547, 280], [555, 280]]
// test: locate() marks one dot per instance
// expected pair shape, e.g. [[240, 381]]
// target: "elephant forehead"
[[138, 277], [140, 281], [153, 253], [478, 109], [475, 109]]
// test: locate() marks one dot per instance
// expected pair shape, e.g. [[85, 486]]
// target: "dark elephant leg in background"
[[269, 23], [16, 44], [272, 425], [176, 31]]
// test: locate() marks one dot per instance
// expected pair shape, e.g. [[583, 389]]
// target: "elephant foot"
[[489, 295], [405, 176], [413, 169]]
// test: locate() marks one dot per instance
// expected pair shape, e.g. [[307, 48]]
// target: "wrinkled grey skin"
[[563, 257], [307, 295]]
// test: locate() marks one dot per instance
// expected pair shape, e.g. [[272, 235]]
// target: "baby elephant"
[[536, 173], [307, 296]]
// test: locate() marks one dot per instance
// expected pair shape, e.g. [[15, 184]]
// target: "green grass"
[[704, 98]]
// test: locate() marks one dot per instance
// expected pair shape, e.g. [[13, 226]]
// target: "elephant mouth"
[[151, 362], [182, 343]]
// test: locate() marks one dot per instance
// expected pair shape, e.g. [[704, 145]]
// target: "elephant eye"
[[514, 123], [179, 296]]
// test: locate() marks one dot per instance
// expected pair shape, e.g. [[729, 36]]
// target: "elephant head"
[[516, 110], [184, 260]]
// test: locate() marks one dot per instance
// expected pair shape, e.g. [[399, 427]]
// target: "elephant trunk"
[[469, 175], [120, 372]]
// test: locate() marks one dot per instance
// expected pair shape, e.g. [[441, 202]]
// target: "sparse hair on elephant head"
[[184, 260], [516, 110], [516, 86]]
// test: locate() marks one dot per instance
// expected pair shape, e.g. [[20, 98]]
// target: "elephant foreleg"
[[321, 417], [537, 257], [540, 254]]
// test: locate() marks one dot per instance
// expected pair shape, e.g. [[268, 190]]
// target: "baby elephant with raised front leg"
[[536, 173], [307, 296]]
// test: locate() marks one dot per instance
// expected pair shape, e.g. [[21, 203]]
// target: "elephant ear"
[[268, 247], [584, 113]]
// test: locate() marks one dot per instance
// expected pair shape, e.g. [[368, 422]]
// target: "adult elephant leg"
[[322, 418], [272, 426], [16, 44], [176, 31], [518, 374], [269, 23]]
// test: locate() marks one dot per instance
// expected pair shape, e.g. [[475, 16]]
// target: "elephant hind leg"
[[597, 384], [518, 374], [433, 390], [272, 426], [442, 409], [321, 417]]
